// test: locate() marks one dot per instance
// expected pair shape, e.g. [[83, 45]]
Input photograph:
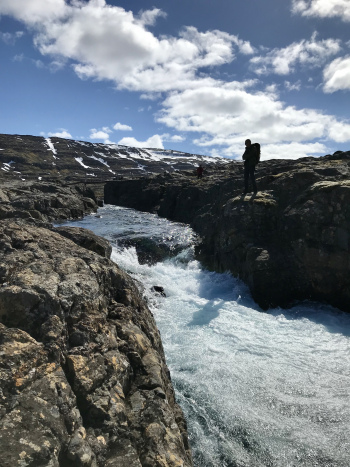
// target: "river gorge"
[[257, 388]]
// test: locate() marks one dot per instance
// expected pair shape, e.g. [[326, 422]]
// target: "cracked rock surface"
[[83, 375]]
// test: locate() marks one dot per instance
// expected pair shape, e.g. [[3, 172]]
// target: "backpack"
[[258, 152]]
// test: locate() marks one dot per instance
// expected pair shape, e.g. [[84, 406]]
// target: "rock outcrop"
[[45, 201], [84, 380], [290, 242]]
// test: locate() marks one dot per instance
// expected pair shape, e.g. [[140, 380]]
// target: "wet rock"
[[150, 250], [158, 290]]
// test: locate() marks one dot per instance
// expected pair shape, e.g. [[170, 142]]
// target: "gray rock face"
[[86, 239], [290, 242], [83, 376], [45, 201]]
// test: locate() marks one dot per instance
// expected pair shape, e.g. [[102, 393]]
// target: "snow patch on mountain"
[[80, 160], [51, 147]]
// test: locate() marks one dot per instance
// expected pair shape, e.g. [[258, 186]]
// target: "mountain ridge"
[[26, 156]]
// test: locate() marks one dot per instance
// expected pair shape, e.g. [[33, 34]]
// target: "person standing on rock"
[[250, 158], [200, 171]]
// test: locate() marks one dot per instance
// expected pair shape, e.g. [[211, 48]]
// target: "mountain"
[[56, 158]]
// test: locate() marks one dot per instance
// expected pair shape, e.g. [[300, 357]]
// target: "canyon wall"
[[289, 242], [84, 380]]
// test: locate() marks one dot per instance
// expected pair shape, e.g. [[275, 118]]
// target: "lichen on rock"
[[82, 368]]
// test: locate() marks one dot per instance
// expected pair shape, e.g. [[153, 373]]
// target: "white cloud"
[[149, 17], [61, 134], [283, 61], [177, 139], [18, 58], [121, 127], [99, 134], [339, 132], [225, 115], [154, 141], [276, 151], [337, 75], [172, 138], [34, 12], [107, 42], [292, 86], [323, 8], [38, 63], [10, 38], [292, 150], [56, 65]]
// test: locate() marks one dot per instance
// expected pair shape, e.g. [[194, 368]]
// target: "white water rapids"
[[258, 389]]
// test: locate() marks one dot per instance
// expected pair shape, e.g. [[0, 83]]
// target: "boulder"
[[86, 239]]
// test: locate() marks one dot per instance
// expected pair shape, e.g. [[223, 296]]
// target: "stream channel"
[[258, 389]]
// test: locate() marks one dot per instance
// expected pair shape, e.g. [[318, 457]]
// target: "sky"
[[199, 76]]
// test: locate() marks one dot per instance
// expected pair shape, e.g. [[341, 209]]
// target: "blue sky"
[[199, 75]]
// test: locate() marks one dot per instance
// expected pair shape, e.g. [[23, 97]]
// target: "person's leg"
[[246, 178], [252, 176]]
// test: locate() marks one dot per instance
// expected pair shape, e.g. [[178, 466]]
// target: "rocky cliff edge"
[[290, 242], [83, 375]]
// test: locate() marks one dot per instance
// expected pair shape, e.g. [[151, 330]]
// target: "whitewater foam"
[[258, 388]]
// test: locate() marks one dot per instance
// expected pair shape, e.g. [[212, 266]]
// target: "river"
[[258, 389]]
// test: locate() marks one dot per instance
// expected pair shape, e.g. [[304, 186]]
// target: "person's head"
[[248, 143]]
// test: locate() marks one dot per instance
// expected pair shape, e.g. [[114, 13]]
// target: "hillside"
[[24, 157]]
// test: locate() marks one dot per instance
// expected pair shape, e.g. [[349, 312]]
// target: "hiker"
[[200, 171], [250, 158]]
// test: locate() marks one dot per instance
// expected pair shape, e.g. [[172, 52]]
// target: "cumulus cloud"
[[120, 127], [175, 138], [323, 8], [34, 12], [276, 151], [337, 75], [339, 132], [99, 134], [283, 61], [225, 115], [62, 133], [154, 141], [107, 42]]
